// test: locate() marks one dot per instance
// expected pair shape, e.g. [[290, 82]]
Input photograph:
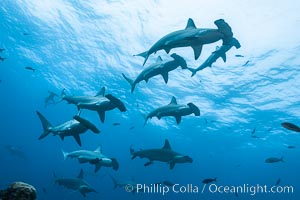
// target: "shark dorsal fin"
[[173, 101], [101, 92], [190, 24], [80, 175], [76, 137], [99, 149], [167, 145], [159, 59]]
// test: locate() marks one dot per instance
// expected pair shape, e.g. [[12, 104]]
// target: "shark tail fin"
[[65, 154], [144, 55], [120, 105], [46, 125], [131, 150], [130, 81], [114, 181], [146, 119], [194, 71], [115, 164], [194, 109]]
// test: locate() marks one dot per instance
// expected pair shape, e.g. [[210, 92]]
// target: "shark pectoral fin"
[[77, 138], [101, 115], [166, 77], [197, 51], [148, 163], [178, 118], [172, 165], [97, 167], [223, 56]]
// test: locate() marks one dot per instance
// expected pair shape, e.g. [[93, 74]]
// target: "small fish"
[[274, 160], [16, 151], [132, 127], [2, 59], [290, 126], [291, 147], [2, 50], [253, 131], [25, 33], [44, 190], [253, 134], [209, 180], [30, 68], [116, 124], [246, 63], [239, 56], [278, 181]]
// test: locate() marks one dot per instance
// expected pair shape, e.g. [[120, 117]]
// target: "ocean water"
[[82, 46]]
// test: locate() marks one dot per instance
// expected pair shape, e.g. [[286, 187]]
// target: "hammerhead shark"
[[160, 67], [100, 103], [77, 183], [125, 183], [191, 36], [175, 110], [74, 127], [93, 157], [220, 52], [165, 154], [16, 151]]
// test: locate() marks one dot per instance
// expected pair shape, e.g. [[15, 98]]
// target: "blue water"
[[85, 45]]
